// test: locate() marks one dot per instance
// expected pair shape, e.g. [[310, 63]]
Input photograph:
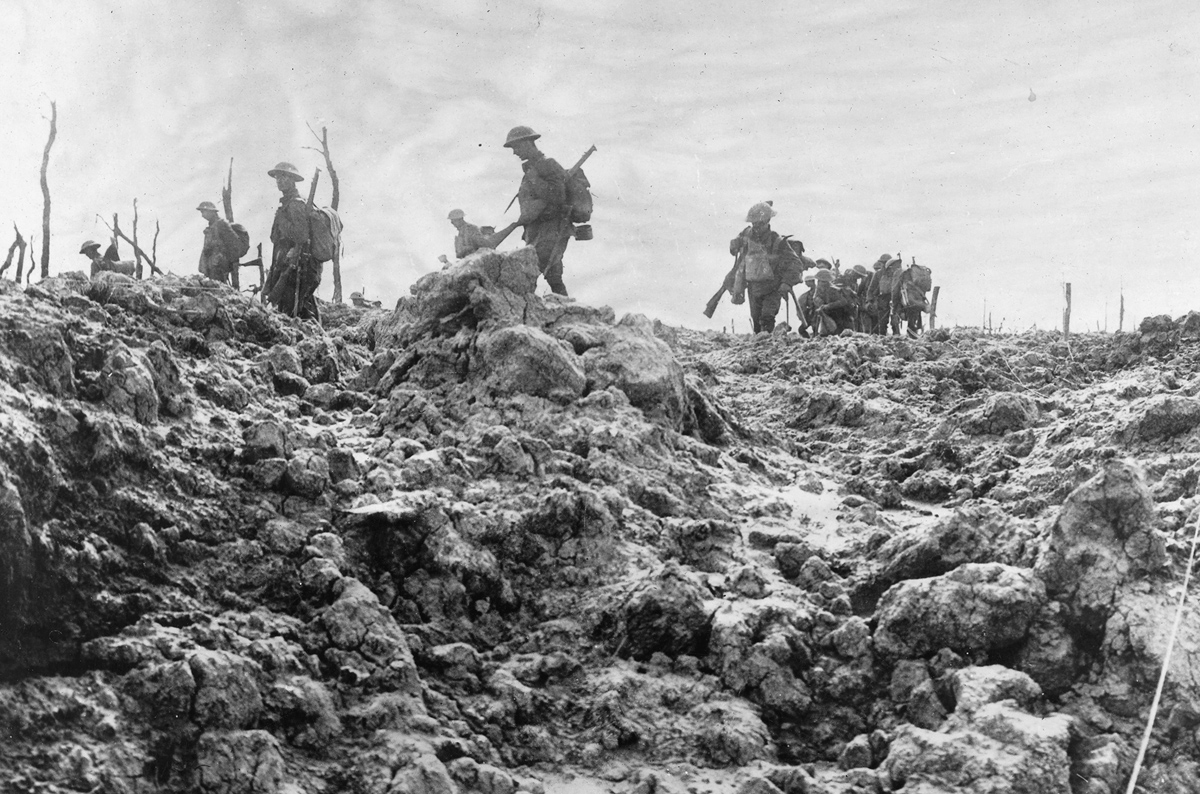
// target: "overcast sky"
[[1010, 146]]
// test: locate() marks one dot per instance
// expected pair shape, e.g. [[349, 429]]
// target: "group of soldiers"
[[555, 205], [768, 267]]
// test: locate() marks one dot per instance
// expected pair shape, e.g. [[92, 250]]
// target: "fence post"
[[933, 309], [1067, 312]]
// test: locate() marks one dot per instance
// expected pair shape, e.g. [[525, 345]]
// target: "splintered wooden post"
[[46, 192], [933, 308], [1067, 311], [1121, 316], [137, 252]]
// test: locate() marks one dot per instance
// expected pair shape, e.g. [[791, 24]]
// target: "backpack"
[[757, 263], [579, 196], [922, 277], [243, 238], [326, 233]]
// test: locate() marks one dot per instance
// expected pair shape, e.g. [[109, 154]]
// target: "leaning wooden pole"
[[933, 308], [227, 194], [1121, 316], [1067, 311], [46, 191], [21, 255], [137, 252], [323, 139]]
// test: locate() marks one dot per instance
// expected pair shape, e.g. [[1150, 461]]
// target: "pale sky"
[[1010, 146]]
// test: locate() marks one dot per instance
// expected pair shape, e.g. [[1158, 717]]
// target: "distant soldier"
[[770, 264], [292, 283], [542, 198], [219, 256], [107, 262], [861, 281], [470, 238], [879, 292], [909, 301], [807, 306], [836, 302]]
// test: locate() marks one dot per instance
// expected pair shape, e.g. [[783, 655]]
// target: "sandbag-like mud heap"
[[490, 542]]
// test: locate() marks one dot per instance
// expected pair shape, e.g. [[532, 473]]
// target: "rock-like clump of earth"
[[494, 542]]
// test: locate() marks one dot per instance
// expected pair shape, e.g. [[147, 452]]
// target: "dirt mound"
[[492, 542]]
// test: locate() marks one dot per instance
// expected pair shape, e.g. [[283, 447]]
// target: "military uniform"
[[764, 296], [470, 238], [218, 259], [289, 237], [542, 198]]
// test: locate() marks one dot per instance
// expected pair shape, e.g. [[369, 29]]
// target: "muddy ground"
[[493, 542]]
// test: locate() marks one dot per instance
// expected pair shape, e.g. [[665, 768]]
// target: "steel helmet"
[[824, 264], [861, 270], [810, 276], [207, 205], [884, 258], [456, 215], [825, 275], [89, 244], [762, 211], [520, 134], [286, 169], [354, 296]]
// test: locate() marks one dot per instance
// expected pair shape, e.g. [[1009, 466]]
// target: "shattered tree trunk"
[[1067, 311], [227, 194], [933, 309], [19, 242], [323, 138], [137, 252], [46, 191]]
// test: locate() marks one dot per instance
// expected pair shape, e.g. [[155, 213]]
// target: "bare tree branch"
[[154, 244], [46, 191], [116, 230], [11, 250]]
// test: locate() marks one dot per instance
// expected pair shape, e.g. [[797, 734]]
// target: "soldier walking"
[[219, 257], [542, 199], [770, 264], [292, 282]]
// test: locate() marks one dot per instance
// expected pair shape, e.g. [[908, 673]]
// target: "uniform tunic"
[[764, 296], [542, 198], [290, 236], [469, 240], [218, 257]]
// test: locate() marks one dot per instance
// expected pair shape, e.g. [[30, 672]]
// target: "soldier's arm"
[[553, 188]]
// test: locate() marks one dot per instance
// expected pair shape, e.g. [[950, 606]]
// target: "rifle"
[[801, 317], [306, 249], [711, 306]]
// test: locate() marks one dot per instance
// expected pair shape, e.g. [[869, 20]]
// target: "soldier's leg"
[[310, 279], [754, 303], [550, 241], [769, 307]]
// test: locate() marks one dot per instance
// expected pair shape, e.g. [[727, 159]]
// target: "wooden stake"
[[154, 243], [46, 191], [1121, 316], [933, 308], [137, 252], [1067, 311], [323, 139], [21, 254], [227, 194]]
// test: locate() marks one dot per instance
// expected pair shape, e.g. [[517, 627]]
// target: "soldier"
[[108, 262], [219, 256], [807, 307], [879, 298], [835, 303], [542, 198], [771, 266], [294, 277], [861, 281], [469, 238]]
